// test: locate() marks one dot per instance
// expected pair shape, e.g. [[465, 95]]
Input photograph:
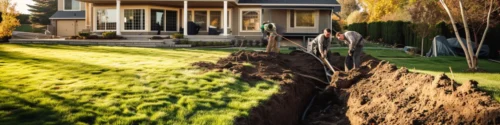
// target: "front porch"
[[131, 18]]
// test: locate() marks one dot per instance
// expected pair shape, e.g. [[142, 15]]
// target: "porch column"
[[185, 13], [225, 18], [118, 20]]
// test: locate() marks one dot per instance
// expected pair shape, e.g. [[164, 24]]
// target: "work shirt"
[[321, 43], [270, 31], [353, 39]]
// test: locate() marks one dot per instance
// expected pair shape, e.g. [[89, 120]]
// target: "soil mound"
[[378, 93]]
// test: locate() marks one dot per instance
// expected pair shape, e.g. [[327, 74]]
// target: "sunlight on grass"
[[59, 84]]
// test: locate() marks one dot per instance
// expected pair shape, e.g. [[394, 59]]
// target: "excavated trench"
[[376, 93]]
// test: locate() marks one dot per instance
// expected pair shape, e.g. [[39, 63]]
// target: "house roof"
[[288, 1], [68, 15]]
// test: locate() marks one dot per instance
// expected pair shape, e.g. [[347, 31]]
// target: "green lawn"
[[58, 84], [29, 28]]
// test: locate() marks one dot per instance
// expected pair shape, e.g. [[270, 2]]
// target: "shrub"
[[93, 37], [84, 34], [257, 42], [109, 35], [233, 42], [177, 36], [156, 38], [245, 42], [184, 42], [73, 37], [9, 20]]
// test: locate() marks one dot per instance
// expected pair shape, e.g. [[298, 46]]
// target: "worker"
[[272, 45], [262, 29], [355, 42], [321, 44]]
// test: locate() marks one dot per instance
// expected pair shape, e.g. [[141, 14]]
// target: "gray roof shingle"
[[68, 15], [290, 1]]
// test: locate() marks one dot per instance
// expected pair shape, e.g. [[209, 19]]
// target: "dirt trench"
[[377, 93]]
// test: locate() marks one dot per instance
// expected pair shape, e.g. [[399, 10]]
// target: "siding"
[[325, 21], [278, 17], [60, 5]]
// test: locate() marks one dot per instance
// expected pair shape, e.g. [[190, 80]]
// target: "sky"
[[22, 5]]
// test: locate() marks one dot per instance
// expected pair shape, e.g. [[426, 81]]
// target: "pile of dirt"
[[380, 93], [377, 93]]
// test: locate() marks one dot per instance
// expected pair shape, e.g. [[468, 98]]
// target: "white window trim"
[[315, 14], [165, 11], [79, 6], [95, 18], [146, 16], [208, 15], [259, 10], [316, 20]]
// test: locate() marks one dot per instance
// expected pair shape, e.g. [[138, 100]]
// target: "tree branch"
[[456, 31], [486, 30]]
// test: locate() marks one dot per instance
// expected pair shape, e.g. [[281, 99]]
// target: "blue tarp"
[[451, 47]]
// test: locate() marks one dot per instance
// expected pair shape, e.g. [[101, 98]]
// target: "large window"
[[171, 23], [71, 5], [303, 18], [134, 19], [200, 18], [215, 19], [250, 20], [157, 20], [106, 19]]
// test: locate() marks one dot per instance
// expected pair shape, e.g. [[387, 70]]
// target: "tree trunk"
[[422, 48], [485, 30], [467, 37], [455, 29]]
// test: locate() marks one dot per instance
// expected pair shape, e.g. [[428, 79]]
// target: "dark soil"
[[376, 93]]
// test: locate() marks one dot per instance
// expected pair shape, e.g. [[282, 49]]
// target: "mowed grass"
[[58, 84], [488, 81]]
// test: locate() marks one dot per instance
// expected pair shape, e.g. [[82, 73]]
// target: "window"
[[304, 18], [106, 19], [71, 5], [171, 23], [250, 20], [200, 18], [157, 20], [134, 19], [215, 19]]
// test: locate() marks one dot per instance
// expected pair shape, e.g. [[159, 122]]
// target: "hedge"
[[397, 33]]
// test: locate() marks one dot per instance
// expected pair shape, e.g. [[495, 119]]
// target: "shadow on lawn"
[[21, 110], [152, 52]]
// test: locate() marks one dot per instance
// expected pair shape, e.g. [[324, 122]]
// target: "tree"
[[42, 10], [477, 12], [9, 20], [348, 6], [379, 8], [425, 15], [467, 47]]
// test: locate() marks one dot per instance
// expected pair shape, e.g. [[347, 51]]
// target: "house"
[[227, 17]]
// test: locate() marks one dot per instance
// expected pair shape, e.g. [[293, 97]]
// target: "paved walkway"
[[29, 35]]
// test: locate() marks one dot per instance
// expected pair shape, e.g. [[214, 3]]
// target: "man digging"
[[355, 42], [272, 45], [321, 44]]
